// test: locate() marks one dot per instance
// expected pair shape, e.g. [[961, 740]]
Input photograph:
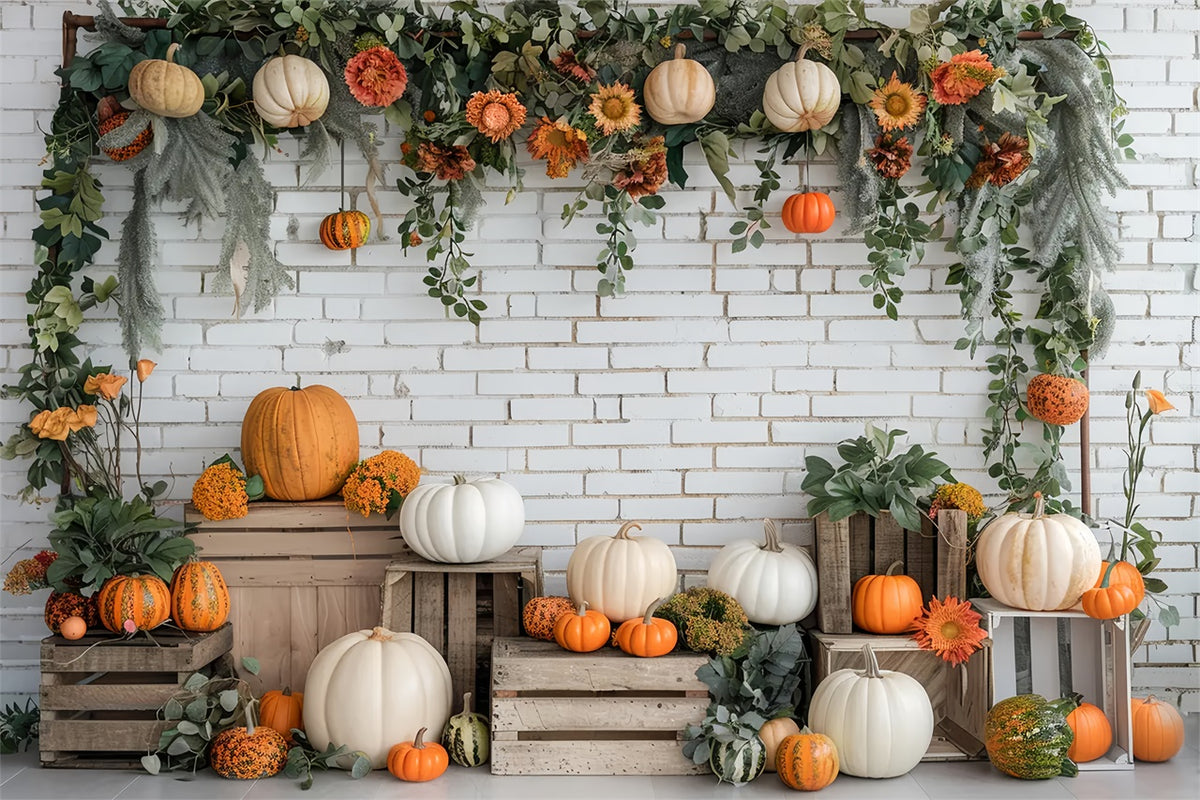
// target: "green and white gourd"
[[467, 737], [739, 761]]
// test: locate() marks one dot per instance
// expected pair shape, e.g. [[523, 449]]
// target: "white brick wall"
[[691, 402]]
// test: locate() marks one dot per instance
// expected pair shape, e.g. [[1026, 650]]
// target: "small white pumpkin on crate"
[[462, 522]]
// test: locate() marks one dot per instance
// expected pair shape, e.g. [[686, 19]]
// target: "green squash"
[[467, 738], [1028, 737], [738, 761]]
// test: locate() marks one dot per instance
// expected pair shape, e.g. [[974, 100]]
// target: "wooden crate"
[[461, 608], [99, 703], [602, 713], [936, 558], [1055, 653], [959, 695], [300, 575]]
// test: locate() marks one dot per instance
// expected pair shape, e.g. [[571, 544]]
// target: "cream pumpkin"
[[165, 88], [371, 689], [464, 521], [1037, 562], [679, 90], [801, 95], [290, 91], [772, 733], [620, 576], [775, 582]]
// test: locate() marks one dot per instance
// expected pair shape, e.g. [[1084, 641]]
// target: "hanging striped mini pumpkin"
[[345, 230], [143, 599], [199, 597]]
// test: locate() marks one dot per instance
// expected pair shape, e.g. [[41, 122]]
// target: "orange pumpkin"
[[810, 212], [61, 605], [144, 599], [199, 597], [1056, 399], [1093, 733], [73, 628], [345, 230], [417, 760], [886, 603], [1157, 729], [130, 150], [647, 637], [249, 752], [1126, 573], [540, 614], [282, 711], [302, 442], [1108, 602], [807, 761], [582, 631]]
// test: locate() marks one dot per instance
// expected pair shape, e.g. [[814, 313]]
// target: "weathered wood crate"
[[461, 608], [300, 575], [1056, 653], [936, 558], [99, 704], [960, 695], [602, 713]]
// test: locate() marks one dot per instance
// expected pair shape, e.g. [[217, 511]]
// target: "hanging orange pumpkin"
[[1093, 733], [886, 603], [345, 230], [1056, 399], [143, 599], [1126, 573], [582, 631], [1157, 729], [810, 212], [281, 711], [648, 636], [417, 760], [199, 597]]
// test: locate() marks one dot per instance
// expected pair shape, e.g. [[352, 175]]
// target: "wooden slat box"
[[936, 558], [460, 608], [1055, 653], [604, 713], [960, 695], [300, 575], [99, 704]]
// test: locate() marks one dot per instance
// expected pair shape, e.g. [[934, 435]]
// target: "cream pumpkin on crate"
[[619, 576], [775, 582], [462, 522], [290, 91]]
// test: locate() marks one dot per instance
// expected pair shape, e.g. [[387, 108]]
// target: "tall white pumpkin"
[[801, 95], [881, 721], [462, 522], [1037, 562], [371, 689], [290, 91], [775, 582], [620, 576]]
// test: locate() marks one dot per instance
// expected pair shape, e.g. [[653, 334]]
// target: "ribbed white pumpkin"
[[801, 95], [620, 576], [1037, 562], [462, 522], [371, 689], [881, 721], [290, 91], [775, 582], [679, 90]]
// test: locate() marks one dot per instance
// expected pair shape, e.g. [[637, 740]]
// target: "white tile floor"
[[22, 779]]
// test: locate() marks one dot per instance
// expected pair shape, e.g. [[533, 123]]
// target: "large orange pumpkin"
[[302, 442], [417, 760], [1056, 399], [199, 597], [281, 711], [540, 614], [1093, 733], [1126, 573], [345, 230], [807, 761], [144, 599], [1157, 729], [810, 212], [886, 603]]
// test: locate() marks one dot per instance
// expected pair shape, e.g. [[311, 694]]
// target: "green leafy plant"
[[303, 758], [18, 726], [872, 479]]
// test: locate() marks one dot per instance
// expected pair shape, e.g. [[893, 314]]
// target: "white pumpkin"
[[801, 95], [290, 91], [371, 689], [679, 90], [776, 583], [881, 721], [462, 522], [620, 576], [1037, 562]]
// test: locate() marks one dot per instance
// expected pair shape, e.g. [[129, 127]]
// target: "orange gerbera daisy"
[[950, 629], [561, 145], [962, 77], [614, 109], [496, 114], [376, 77], [896, 105]]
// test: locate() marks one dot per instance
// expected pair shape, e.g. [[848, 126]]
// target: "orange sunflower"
[[614, 109], [950, 629], [561, 145], [896, 105], [496, 114]]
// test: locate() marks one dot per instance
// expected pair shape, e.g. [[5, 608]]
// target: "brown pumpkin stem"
[[652, 608], [287, 691], [418, 740], [624, 532], [170, 57], [771, 532], [680, 50], [466, 703], [872, 662], [802, 51], [380, 634], [892, 569]]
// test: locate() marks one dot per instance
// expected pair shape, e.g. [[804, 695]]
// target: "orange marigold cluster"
[[1001, 162], [962, 77], [220, 493], [373, 481], [29, 574]]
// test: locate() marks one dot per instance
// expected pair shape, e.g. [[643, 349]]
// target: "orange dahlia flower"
[[962, 77], [497, 115], [376, 77]]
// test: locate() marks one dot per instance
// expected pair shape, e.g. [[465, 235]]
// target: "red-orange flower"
[[497, 115], [566, 64], [561, 145], [962, 77], [449, 163], [891, 158], [644, 175], [1001, 162], [376, 77], [950, 629]]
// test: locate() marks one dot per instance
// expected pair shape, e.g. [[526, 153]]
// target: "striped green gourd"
[[466, 737], [1028, 737], [739, 761]]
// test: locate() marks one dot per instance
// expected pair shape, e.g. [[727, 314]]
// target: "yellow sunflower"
[[614, 109], [896, 105], [561, 145]]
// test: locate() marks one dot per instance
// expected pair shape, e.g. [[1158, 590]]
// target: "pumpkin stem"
[[803, 50], [892, 569], [1107, 574], [296, 388], [771, 531], [872, 662], [1039, 507], [459, 480], [582, 609], [652, 608], [806, 731], [250, 721], [380, 634], [171, 52], [680, 50], [467, 703], [418, 741], [624, 532], [287, 691]]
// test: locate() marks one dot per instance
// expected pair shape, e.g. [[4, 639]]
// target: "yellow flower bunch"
[[958, 495], [372, 482], [220, 492]]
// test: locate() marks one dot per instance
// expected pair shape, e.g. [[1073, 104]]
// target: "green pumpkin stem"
[[1107, 574]]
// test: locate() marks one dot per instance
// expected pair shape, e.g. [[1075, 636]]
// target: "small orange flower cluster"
[[29, 574], [891, 157], [647, 172], [60, 422], [962, 77], [372, 482], [447, 162], [220, 493]]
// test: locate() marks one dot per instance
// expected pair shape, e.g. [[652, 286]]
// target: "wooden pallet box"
[[99, 702], [959, 695], [461, 608], [604, 713], [1055, 653], [936, 558], [300, 576]]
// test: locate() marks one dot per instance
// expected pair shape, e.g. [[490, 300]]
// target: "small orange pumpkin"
[[1157, 729], [249, 752], [1126, 573], [199, 597], [144, 599], [1110, 600], [649, 636], [807, 761], [886, 603], [60, 605], [281, 711], [810, 212], [582, 631], [1056, 399], [1093, 733], [540, 614], [345, 230], [417, 760], [73, 628]]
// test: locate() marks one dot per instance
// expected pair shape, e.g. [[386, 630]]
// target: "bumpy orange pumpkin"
[[1056, 399], [810, 212], [1093, 733], [540, 614], [1157, 729], [649, 636], [807, 761], [345, 230], [886, 603], [60, 605], [281, 711], [248, 753], [144, 599], [417, 760], [199, 597], [582, 631], [302, 442], [133, 148], [1126, 573]]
